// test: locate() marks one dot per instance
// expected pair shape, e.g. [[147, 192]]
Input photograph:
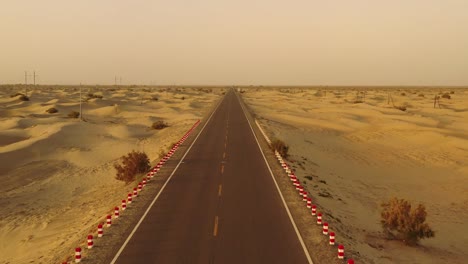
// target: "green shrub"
[[401, 222], [132, 164], [281, 147]]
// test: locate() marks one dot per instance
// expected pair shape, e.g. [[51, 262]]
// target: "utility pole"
[[26, 82], [81, 116]]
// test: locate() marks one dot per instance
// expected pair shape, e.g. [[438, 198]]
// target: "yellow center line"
[[215, 230], [220, 189]]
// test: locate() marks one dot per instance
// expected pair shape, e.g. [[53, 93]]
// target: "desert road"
[[220, 206]]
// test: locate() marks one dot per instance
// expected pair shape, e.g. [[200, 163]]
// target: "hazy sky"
[[341, 42]]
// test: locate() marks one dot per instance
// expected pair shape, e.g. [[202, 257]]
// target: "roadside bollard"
[[90, 241], [341, 252], [129, 198], [309, 203], [109, 220], [116, 212], [77, 255], [325, 229], [100, 231], [124, 205], [314, 209], [319, 219], [332, 239]]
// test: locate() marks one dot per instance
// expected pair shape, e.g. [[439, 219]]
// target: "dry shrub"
[[281, 147], [132, 164], [401, 222], [91, 95], [74, 114], [446, 96], [52, 110], [159, 125], [401, 108], [421, 95], [403, 94], [22, 97]]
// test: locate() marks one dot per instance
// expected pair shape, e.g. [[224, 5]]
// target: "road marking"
[[164, 186], [215, 229], [306, 252], [220, 189], [224, 155], [222, 169]]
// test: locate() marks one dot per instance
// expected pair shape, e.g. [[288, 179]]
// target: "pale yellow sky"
[[295, 42]]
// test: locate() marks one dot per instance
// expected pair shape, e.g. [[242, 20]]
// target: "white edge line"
[[164, 186], [306, 252]]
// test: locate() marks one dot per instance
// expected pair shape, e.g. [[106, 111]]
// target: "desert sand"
[[360, 150], [56, 173]]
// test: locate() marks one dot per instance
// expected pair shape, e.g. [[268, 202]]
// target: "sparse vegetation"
[[421, 95], [154, 98], [91, 95], [403, 94], [74, 114], [401, 222], [446, 96], [22, 97], [401, 107], [308, 177], [52, 110], [281, 147], [132, 164], [159, 125]]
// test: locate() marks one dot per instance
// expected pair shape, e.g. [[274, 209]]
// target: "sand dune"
[[363, 153], [54, 168]]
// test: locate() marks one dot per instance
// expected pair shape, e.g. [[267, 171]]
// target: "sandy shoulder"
[[361, 154]]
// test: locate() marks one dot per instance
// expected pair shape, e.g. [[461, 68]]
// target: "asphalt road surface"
[[220, 206]]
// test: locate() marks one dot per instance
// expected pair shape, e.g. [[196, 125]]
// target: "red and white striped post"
[[116, 212], [135, 192], [90, 241], [301, 190], [319, 219], [309, 203], [124, 205], [304, 196], [350, 261], [140, 187], [332, 239], [100, 231], [341, 252], [144, 183], [129, 198], [109, 220], [314, 209], [325, 229], [77, 255]]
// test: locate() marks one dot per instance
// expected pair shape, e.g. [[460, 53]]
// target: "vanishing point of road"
[[220, 206]]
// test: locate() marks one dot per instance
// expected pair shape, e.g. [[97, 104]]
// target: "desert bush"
[[358, 101], [403, 94], [401, 108], [401, 222], [452, 92], [91, 95], [421, 95], [446, 95], [154, 98], [132, 164], [74, 114], [22, 97], [159, 125], [52, 110], [281, 147]]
